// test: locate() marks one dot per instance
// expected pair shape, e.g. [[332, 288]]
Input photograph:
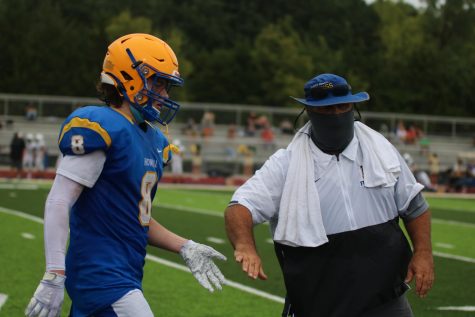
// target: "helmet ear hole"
[[126, 75]]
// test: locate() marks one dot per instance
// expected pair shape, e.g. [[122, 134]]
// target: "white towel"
[[380, 159], [300, 219]]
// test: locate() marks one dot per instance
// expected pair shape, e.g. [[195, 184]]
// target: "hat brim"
[[334, 100]]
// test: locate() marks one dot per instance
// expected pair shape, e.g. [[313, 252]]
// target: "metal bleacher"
[[448, 136]]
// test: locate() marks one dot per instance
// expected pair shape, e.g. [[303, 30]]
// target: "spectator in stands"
[[230, 146], [424, 144], [434, 167], [420, 175], [333, 199], [231, 132], [457, 174], [29, 154], [401, 132], [190, 129], [286, 127], [411, 135], [177, 161], [468, 181], [40, 153], [251, 124], [268, 136], [247, 154], [196, 159], [31, 113], [262, 122], [17, 147], [207, 124]]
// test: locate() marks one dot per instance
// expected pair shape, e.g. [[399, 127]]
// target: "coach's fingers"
[[409, 276], [262, 275], [253, 269]]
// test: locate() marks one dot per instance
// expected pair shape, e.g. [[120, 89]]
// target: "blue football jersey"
[[109, 222]]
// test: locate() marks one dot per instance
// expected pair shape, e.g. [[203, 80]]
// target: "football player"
[[104, 186]]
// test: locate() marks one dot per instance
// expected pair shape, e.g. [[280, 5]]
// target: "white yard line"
[[18, 186], [3, 299], [215, 240], [453, 257], [444, 245], [454, 223], [21, 214], [457, 308], [27, 235], [236, 285]]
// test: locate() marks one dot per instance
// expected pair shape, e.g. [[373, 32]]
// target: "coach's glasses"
[[321, 91]]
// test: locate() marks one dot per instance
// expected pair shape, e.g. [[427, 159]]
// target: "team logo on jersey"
[[150, 162]]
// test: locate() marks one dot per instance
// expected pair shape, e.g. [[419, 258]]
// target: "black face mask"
[[332, 133]]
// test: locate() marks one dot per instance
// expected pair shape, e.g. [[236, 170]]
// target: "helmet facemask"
[[144, 100]]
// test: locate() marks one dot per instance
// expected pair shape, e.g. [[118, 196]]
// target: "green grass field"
[[198, 214]]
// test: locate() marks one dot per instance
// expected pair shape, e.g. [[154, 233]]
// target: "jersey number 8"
[[77, 144], [145, 205]]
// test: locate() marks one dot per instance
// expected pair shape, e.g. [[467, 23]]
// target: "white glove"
[[198, 258], [48, 298]]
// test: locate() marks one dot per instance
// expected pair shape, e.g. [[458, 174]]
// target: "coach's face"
[[332, 126]]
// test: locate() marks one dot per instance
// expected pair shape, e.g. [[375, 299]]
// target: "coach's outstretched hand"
[[199, 259], [48, 298]]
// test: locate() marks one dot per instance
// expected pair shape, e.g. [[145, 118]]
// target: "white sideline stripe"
[[236, 285], [444, 245], [162, 261], [18, 186], [21, 214], [459, 308], [454, 257], [215, 240], [3, 299], [27, 235], [453, 222]]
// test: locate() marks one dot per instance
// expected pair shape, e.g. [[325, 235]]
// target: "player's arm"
[[198, 257], [161, 237], [48, 297], [239, 228]]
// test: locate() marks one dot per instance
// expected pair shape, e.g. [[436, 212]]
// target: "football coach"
[[334, 198]]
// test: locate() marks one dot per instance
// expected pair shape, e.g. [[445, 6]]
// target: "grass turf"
[[453, 285]]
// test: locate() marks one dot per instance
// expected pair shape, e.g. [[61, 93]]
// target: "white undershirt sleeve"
[[61, 198], [84, 169]]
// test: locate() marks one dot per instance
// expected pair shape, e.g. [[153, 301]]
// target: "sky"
[[415, 3]]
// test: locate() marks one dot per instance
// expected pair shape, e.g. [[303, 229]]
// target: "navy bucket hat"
[[329, 89]]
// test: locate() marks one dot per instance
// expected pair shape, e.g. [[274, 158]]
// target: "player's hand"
[[250, 262], [199, 259], [48, 298], [422, 268]]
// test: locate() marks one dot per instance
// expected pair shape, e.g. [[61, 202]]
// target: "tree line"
[[415, 60]]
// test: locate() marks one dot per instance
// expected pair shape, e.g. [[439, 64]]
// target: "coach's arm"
[[422, 263], [239, 228]]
